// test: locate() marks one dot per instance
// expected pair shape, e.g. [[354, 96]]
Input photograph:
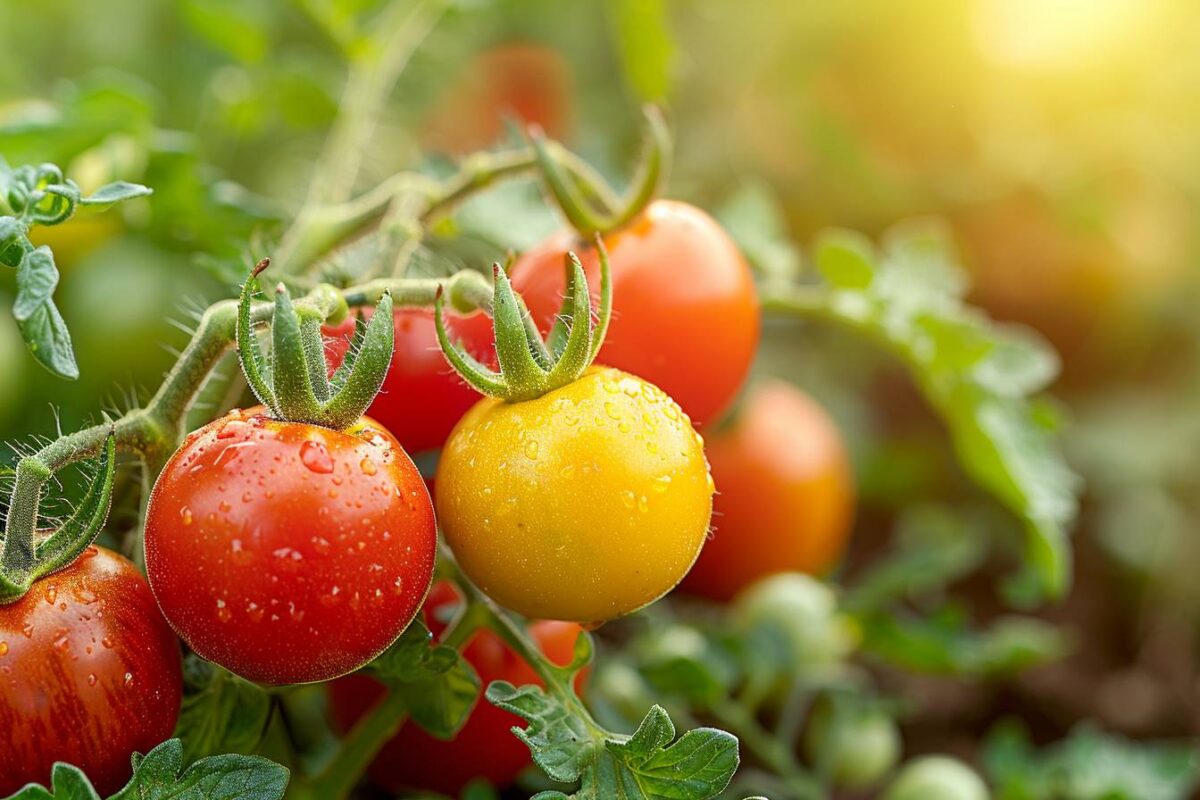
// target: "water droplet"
[[643, 504], [232, 428], [185, 515], [570, 420], [224, 507], [631, 387], [398, 585], [223, 612], [321, 544], [567, 472], [296, 614], [90, 552], [628, 498], [712, 487], [51, 594], [3, 649], [531, 449], [255, 612], [247, 497], [611, 387], [128, 679], [652, 447], [92, 679], [368, 466], [611, 410], [238, 554], [315, 456], [27, 631], [331, 599], [62, 643], [623, 427], [85, 596], [107, 643], [662, 483], [671, 411], [288, 558]]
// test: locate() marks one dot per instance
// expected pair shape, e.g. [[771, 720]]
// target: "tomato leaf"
[[159, 775], [115, 193], [46, 335], [37, 278], [221, 712], [649, 765], [979, 376], [646, 47], [439, 686]]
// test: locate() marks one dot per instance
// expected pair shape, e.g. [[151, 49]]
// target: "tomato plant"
[[89, 673], [422, 398], [482, 748], [678, 280], [785, 493], [312, 547], [530, 475]]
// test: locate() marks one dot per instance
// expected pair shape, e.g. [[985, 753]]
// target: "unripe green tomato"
[[803, 612], [857, 746], [937, 778]]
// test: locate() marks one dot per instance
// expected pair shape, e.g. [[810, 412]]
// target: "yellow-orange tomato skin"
[[785, 493], [583, 505]]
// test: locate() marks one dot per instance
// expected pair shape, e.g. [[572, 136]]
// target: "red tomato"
[[422, 398], [685, 312], [485, 747], [527, 81], [289, 553], [89, 674], [785, 493]]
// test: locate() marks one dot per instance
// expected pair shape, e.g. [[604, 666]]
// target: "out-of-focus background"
[[1057, 138]]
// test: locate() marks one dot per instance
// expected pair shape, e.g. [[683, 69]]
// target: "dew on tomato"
[[89, 673], [275, 553]]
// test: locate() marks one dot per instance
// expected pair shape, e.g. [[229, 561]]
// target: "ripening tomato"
[[785, 493], [685, 314], [484, 747], [937, 778], [289, 553], [422, 398], [89, 673], [584, 504]]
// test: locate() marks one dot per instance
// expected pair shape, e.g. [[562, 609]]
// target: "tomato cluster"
[[289, 549]]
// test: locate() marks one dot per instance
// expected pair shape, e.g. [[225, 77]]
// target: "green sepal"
[[24, 562], [581, 212], [294, 383], [529, 366]]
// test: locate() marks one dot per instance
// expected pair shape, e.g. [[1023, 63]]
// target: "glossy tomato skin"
[[685, 311], [484, 747], [785, 493], [89, 673], [422, 398], [582, 505], [289, 553]]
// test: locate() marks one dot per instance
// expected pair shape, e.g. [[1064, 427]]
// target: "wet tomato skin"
[[289, 553], [89, 673], [584, 504], [685, 310], [785, 493], [422, 397], [484, 747]]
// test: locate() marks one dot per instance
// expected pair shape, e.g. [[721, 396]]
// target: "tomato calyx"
[[531, 367], [24, 559], [582, 199], [294, 384]]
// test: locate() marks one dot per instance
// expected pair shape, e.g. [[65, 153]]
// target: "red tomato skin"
[[785, 493], [685, 310], [422, 398], [89, 673], [289, 553], [484, 747]]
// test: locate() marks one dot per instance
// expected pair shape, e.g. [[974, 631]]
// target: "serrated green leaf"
[[37, 278], [439, 686], [644, 766], [754, 218], [157, 776], [46, 335], [221, 712], [115, 193], [976, 374]]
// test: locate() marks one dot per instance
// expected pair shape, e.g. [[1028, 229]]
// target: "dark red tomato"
[[685, 312], [484, 747], [422, 398], [289, 553], [89, 674], [785, 493]]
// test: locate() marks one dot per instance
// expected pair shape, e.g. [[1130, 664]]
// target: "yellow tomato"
[[584, 504]]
